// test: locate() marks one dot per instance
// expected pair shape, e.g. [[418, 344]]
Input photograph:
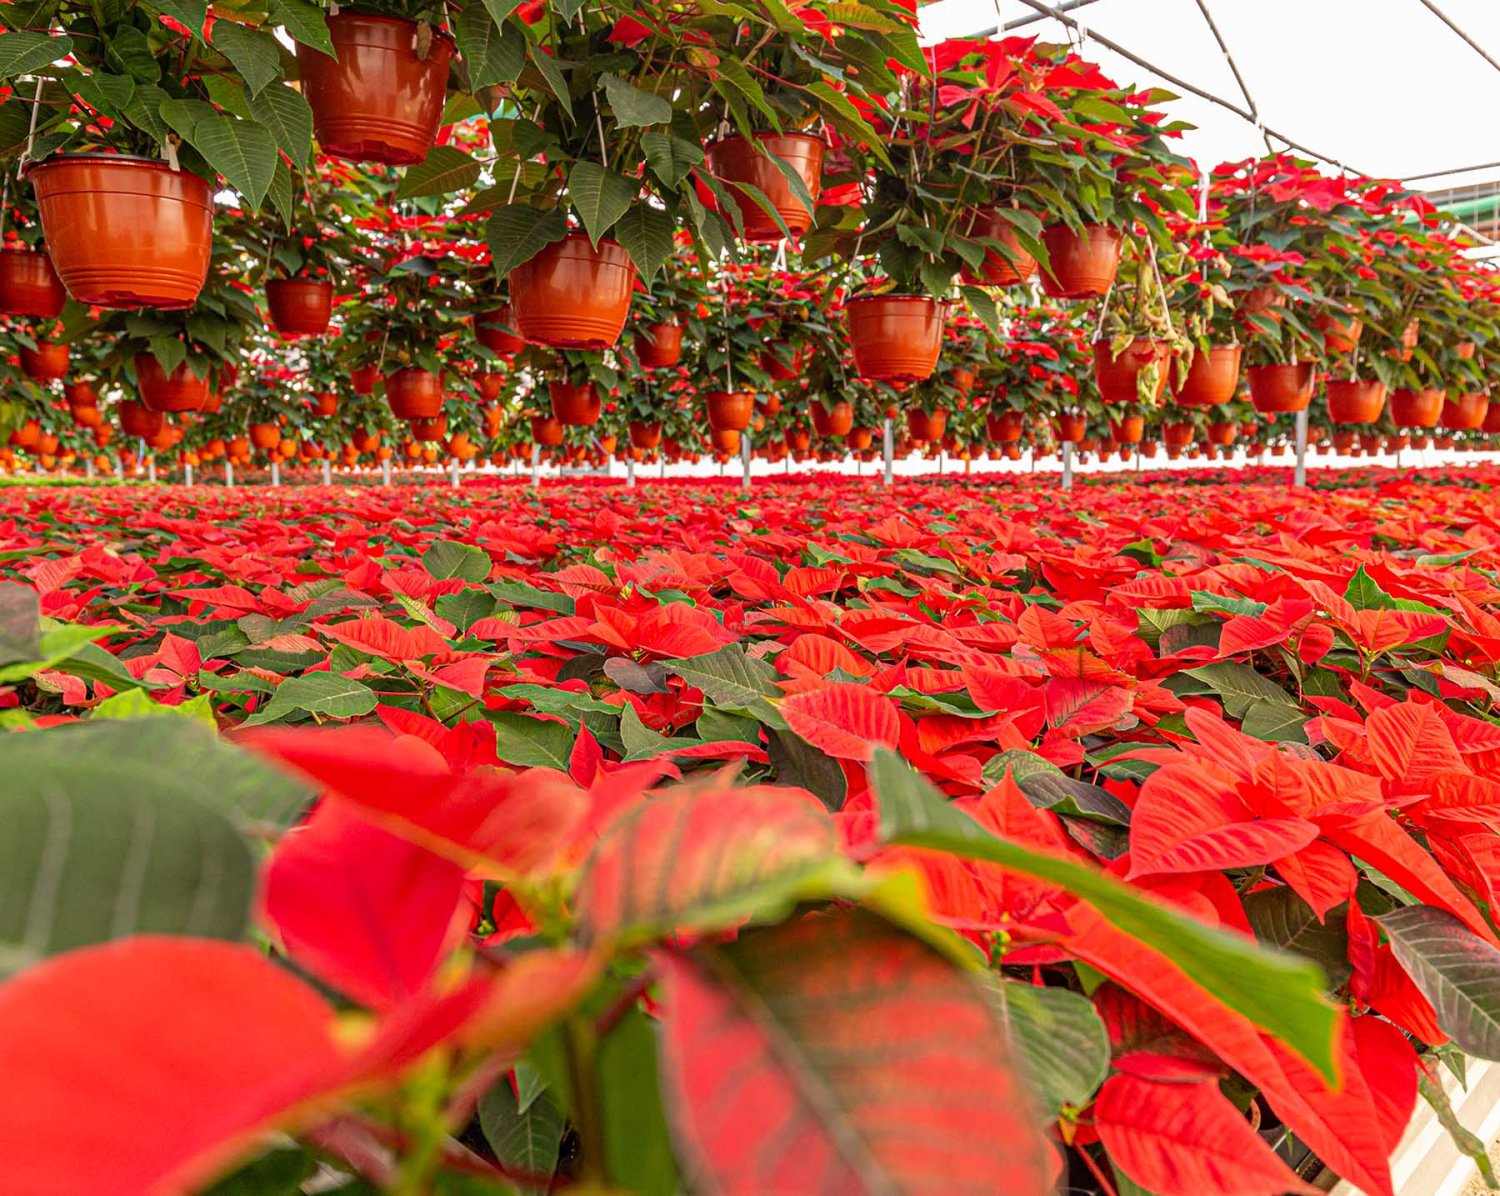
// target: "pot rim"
[[766, 135], [387, 19], [114, 159]]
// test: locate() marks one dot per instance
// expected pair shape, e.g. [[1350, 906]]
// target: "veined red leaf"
[[845, 720], [387, 639], [1410, 745], [876, 1063], [1186, 1139]]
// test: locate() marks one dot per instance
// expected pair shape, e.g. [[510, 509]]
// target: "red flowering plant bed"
[[832, 837]]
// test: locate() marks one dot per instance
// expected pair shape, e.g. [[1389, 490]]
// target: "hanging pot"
[[1070, 426], [1128, 429], [265, 436], [776, 368], [1260, 301], [489, 383], [573, 296], [136, 419], [1212, 378], [29, 435], [1118, 374], [29, 286], [325, 404], [495, 330], [1491, 419], [729, 410], [1340, 333], [1466, 350], [1354, 401], [962, 380], [46, 363], [1278, 388], [724, 440], [80, 394], [999, 269], [643, 435], [376, 101], [1080, 264], [299, 306], [738, 163], [859, 439], [927, 425], [1005, 427], [125, 232], [1221, 433], [362, 380], [1465, 413], [87, 417], [659, 346], [414, 393], [575, 405], [895, 337], [798, 440], [181, 390], [1417, 408], [434, 429], [837, 419]]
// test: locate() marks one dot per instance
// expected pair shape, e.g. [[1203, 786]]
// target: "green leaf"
[[1059, 1039], [108, 94], [182, 116], [1364, 593], [305, 23], [289, 118], [532, 742], [1455, 969], [670, 158], [733, 81], [637, 1144], [129, 52], [169, 352], [982, 304], [1280, 993], [445, 169], [138, 703], [552, 77], [20, 623], [244, 153], [494, 53], [634, 108], [728, 677], [647, 236], [797, 762], [22, 53], [518, 593], [256, 55], [518, 232], [465, 608], [1283, 920], [113, 828], [191, 13], [281, 1171], [524, 1140], [144, 111], [325, 694], [56, 643], [1240, 687], [599, 196], [449, 558], [1274, 722]]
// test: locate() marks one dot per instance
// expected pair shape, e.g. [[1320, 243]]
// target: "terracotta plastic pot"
[[1261, 301], [125, 232], [1340, 332], [1211, 378], [724, 440], [299, 306], [181, 390], [859, 439], [837, 419], [1492, 419], [87, 417], [1354, 401], [737, 163], [265, 436], [377, 102], [414, 393], [29, 286], [779, 370], [325, 404], [1417, 408], [1409, 337], [1278, 388], [998, 269], [495, 330], [644, 436], [1148, 448], [80, 394], [1465, 413], [1371, 442], [362, 380], [659, 346], [1221, 433], [1081, 264], [729, 409], [489, 383], [46, 363], [28, 436], [575, 405], [573, 296], [1128, 429], [924, 425], [799, 440], [1118, 375], [1005, 427], [962, 380], [1070, 427], [434, 429], [136, 419], [895, 337], [1466, 350]]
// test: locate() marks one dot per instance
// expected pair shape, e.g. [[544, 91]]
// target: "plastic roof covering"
[[1383, 86]]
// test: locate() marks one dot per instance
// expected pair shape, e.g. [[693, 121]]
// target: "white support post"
[[385, 472], [745, 459], [187, 474], [88, 466], [630, 470], [888, 452], [453, 472], [228, 473], [327, 472], [151, 469], [275, 473], [536, 463], [119, 468], [1067, 462], [1300, 476]]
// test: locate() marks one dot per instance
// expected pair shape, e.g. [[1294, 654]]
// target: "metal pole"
[[536, 463], [228, 473], [327, 472], [88, 466], [275, 473], [630, 470], [385, 472], [745, 460], [1067, 456], [187, 474], [888, 452], [151, 469], [453, 472], [1300, 476]]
